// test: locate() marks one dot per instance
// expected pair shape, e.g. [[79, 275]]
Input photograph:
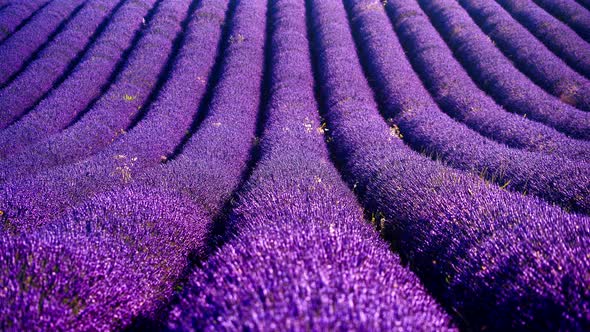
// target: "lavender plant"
[[558, 37], [530, 55], [15, 14]]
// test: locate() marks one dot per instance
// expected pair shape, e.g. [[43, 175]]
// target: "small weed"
[[127, 97]]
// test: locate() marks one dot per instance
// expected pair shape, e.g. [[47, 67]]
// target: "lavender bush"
[[408, 106], [570, 13], [554, 34], [496, 74], [147, 144], [529, 54], [110, 116]]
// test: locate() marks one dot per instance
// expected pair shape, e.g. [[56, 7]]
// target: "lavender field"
[[294, 165]]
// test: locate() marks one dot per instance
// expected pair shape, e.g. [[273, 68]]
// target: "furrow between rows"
[[558, 37], [529, 55], [16, 15], [452, 88], [145, 145], [571, 13], [147, 230], [407, 105]]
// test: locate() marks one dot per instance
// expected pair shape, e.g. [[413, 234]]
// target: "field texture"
[[253, 165]]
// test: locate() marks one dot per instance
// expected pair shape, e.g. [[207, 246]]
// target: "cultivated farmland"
[[315, 165]]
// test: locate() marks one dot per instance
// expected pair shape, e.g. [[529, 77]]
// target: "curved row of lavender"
[[208, 167], [152, 231], [14, 15], [452, 88], [558, 37], [482, 250], [52, 61], [408, 105], [530, 55], [21, 46], [84, 84], [570, 13], [300, 256], [496, 75], [147, 144], [116, 109], [111, 260]]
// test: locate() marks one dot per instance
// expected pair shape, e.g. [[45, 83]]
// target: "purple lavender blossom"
[[109, 261], [299, 165], [146, 145], [529, 54], [571, 13], [557, 36], [407, 105], [496, 74]]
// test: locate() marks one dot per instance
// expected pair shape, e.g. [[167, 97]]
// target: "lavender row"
[[15, 14], [83, 85], [167, 223], [558, 37], [496, 74], [408, 105], [529, 54], [297, 232], [52, 62], [452, 88], [209, 167], [147, 144], [116, 109], [106, 263], [571, 13], [21, 46], [453, 228]]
